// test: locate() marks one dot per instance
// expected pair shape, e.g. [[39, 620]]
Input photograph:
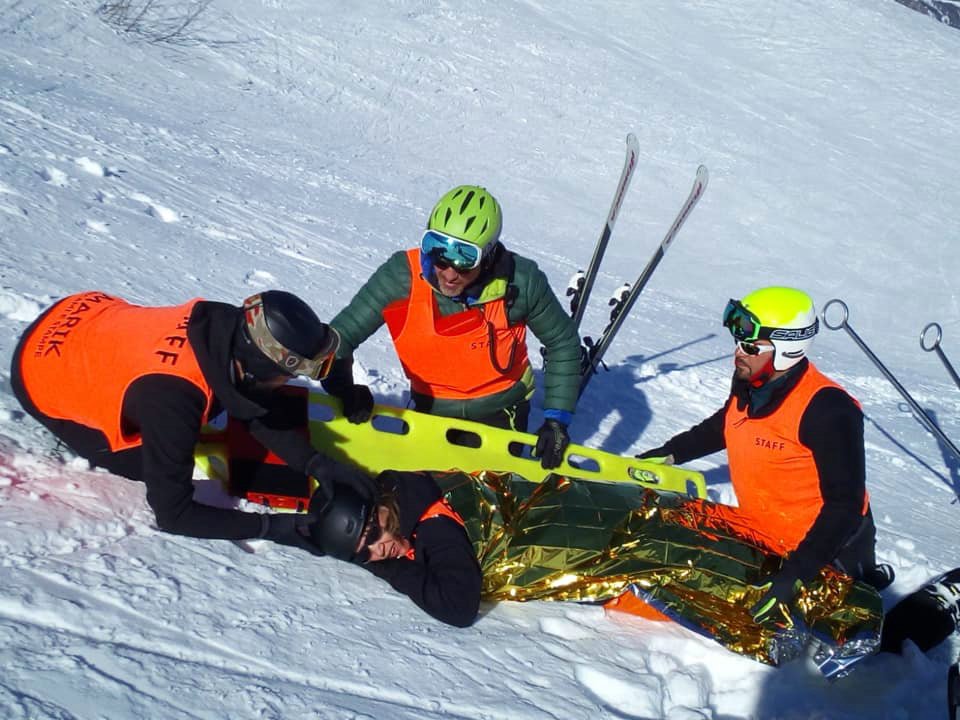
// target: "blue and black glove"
[[778, 589], [552, 438]]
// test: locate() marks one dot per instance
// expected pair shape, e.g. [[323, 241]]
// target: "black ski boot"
[[927, 616], [880, 576]]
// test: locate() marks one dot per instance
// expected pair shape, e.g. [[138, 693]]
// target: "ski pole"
[[935, 347], [918, 411]]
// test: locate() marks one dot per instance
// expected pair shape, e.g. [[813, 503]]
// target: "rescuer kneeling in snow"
[[129, 388], [794, 440], [458, 308]]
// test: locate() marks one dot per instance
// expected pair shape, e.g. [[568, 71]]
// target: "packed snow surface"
[[294, 144]]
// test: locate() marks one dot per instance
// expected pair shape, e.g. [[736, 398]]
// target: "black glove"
[[357, 403], [357, 399], [659, 454], [327, 472], [291, 529], [779, 588], [552, 442]]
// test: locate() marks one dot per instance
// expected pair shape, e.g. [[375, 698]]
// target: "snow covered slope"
[[304, 142]]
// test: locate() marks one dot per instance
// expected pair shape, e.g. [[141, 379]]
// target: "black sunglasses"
[[371, 534], [749, 348]]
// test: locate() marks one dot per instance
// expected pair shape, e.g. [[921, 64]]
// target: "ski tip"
[[632, 142]]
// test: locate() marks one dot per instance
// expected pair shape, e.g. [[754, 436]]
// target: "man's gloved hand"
[[357, 403], [781, 587], [327, 472], [357, 399], [289, 529], [552, 442], [656, 455]]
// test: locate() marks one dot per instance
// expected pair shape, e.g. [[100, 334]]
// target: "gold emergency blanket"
[[588, 541]]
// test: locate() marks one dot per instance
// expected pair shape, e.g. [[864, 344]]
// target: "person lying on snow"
[[411, 537], [446, 539]]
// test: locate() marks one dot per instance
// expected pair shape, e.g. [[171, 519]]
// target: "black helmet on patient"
[[344, 524]]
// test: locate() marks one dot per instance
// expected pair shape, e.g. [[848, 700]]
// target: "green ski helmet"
[[470, 213], [784, 316]]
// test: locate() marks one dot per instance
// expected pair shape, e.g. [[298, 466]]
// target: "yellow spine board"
[[402, 439]]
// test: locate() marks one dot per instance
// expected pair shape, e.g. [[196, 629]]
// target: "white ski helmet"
[[784, 316]]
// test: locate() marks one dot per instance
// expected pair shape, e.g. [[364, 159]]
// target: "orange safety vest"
[[84, 353], [441, 508], [774, 475], [451, 357]]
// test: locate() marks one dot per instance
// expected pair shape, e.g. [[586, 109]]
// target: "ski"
[[623, 301], [582, 282], [953, 691]]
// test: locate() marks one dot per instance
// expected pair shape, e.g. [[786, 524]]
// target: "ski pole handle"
[[918, 411], [935, 347]]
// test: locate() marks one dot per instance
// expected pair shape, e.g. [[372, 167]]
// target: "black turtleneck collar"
[[210, 331], [764, 400]]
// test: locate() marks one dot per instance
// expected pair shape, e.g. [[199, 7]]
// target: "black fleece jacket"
[[167, 412], [832, 427], [444, 577]]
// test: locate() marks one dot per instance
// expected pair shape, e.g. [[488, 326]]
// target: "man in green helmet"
[[458, 307]]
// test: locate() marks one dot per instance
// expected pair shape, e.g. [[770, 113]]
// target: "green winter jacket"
[[534, 303]]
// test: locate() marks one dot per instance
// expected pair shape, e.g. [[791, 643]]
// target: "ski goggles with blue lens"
[[447, 251], [743, 324]]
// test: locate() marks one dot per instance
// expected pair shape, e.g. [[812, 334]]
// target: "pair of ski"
[[581, 284]]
